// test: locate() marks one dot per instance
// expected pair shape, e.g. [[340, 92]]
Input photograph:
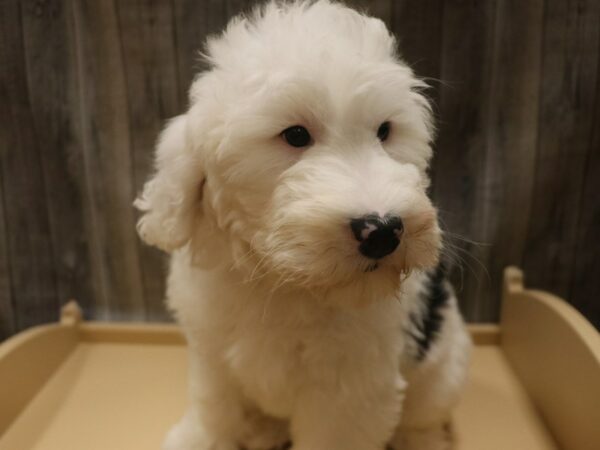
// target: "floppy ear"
[[171, 199]]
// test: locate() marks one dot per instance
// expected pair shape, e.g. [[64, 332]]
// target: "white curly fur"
[[290, 334]]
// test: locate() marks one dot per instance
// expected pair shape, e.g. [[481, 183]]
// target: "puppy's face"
[[303, 157]]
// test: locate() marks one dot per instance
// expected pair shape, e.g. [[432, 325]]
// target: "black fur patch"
[[435, 297]]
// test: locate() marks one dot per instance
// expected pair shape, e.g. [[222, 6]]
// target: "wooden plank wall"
[[85, 86]]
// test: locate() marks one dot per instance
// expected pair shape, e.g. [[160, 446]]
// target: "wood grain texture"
[[503, 199], [150, 66], [585, 271], [381, 9], [459, 165], [8, 319], [53, 105], [7, 313], [568, 85], [419, 30], [86, 86], [108, 161], [194, 22], [32, 271]]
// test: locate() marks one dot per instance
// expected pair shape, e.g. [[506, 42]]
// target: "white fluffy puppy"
[[304, 271]]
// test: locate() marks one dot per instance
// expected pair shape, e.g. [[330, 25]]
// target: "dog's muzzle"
[[378, 236]]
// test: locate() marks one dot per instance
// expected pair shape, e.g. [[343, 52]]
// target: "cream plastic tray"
[[75, 385]]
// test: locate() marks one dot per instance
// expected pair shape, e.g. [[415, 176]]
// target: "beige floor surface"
[[84, 406]]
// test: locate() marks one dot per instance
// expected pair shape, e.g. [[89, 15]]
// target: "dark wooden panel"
[[503, 197], [377, 8], [569, 74], [235, 7], [7, 313], [194, 21], [32, 273], [148, 46], [107, 162], [586, 270], [86, 87], [418, 27], [459, 164], [53, 101]]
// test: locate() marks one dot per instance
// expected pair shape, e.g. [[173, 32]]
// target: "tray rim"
[[71, 329]]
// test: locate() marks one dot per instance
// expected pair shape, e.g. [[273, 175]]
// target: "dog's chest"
[[275, 354], [266, 363]]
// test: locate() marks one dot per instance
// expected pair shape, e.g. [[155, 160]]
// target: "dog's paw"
[[264, 433], [189, 436], [435, 438]]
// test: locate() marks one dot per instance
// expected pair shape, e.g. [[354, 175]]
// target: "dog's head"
[[302, 159]]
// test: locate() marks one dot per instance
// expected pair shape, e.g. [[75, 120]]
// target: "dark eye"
[[296, 136], [384, 131]]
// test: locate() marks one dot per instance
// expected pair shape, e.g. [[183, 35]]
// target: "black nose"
[[378, 236]]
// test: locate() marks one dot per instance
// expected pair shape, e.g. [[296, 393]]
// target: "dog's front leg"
[[360, 417], [215, 413]]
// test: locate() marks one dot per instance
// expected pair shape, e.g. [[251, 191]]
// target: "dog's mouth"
[[372, 267], [345, 279], [339, 274], [324, 259]]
